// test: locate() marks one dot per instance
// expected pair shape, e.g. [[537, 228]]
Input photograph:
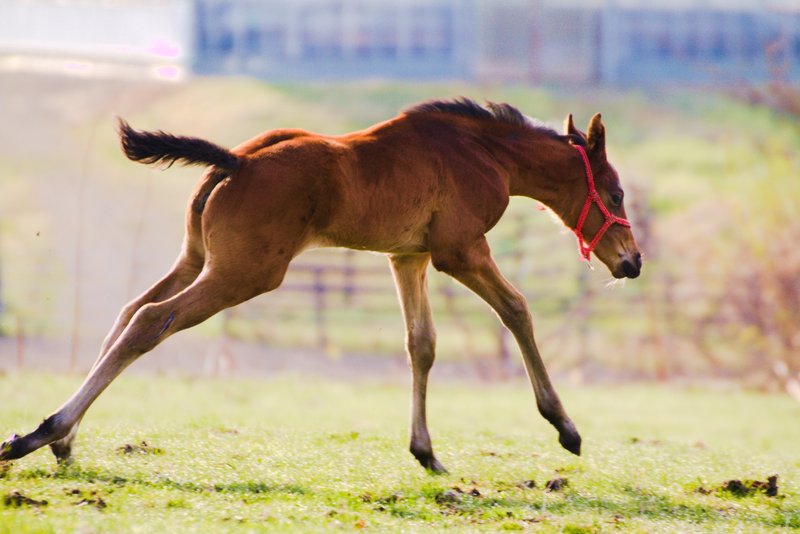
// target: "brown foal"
[[424, 187]]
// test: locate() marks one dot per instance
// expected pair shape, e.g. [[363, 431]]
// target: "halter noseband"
[[592, 198]]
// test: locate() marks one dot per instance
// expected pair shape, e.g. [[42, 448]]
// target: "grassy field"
[[289, 454]]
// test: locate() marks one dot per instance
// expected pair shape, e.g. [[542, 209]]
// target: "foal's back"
[[377, 189]]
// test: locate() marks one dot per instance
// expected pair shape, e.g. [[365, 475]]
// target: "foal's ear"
[[577, 136], [569, 126], [596, 138]]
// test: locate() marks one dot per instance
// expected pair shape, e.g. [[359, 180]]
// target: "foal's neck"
[[545, 169]]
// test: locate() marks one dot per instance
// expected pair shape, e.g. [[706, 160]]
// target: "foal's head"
[[616, 248]]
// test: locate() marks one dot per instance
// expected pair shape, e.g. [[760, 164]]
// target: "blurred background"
[[700, 99]]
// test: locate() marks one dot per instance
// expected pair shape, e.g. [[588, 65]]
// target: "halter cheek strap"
[[593, 198]]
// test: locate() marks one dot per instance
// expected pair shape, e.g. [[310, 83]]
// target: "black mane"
[[466, 107]]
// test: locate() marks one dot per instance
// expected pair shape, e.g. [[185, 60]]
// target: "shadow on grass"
[[89, 475], [502, 501], [532, 505], [637, 503]]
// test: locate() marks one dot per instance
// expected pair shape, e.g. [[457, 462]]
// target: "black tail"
[[161, 147]]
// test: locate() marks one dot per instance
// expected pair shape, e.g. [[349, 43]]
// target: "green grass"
[[295, 454]]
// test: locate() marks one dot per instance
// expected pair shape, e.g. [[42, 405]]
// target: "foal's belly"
[[381, 229], [401, 241]]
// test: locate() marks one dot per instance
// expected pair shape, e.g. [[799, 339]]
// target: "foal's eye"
[[616, 199]]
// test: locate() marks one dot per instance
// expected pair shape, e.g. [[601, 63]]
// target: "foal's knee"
[[515, 313], [421, 346]]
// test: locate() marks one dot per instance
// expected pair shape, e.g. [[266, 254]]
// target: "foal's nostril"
[[631, 270], [637, 260]]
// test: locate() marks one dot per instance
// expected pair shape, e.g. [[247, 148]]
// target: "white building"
[[631, 42], [97, 37]]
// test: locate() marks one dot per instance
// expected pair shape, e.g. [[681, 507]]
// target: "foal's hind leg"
[[481, 275], [180, 276], [412, 287], [183, 273], [210, 293]]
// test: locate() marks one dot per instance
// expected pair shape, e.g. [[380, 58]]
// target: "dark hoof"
[[9, 450], [429, 462], [569, 438], [435, 467], [62, 452]]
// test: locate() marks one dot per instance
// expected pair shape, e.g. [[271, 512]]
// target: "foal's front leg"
[[483, 277], [410, 276]]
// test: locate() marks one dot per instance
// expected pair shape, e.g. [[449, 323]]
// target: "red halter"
[[593, 197]]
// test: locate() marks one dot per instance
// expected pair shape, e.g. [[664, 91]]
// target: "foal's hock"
[[423, 187]]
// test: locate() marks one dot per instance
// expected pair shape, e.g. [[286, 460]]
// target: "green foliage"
[[293, 454]]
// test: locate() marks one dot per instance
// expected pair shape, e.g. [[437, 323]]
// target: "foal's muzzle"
[[631, 267]]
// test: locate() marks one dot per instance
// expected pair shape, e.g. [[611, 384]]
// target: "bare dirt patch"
[[88, 498], [745, 488], [557, 484], [142, 448], [15, 499]]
